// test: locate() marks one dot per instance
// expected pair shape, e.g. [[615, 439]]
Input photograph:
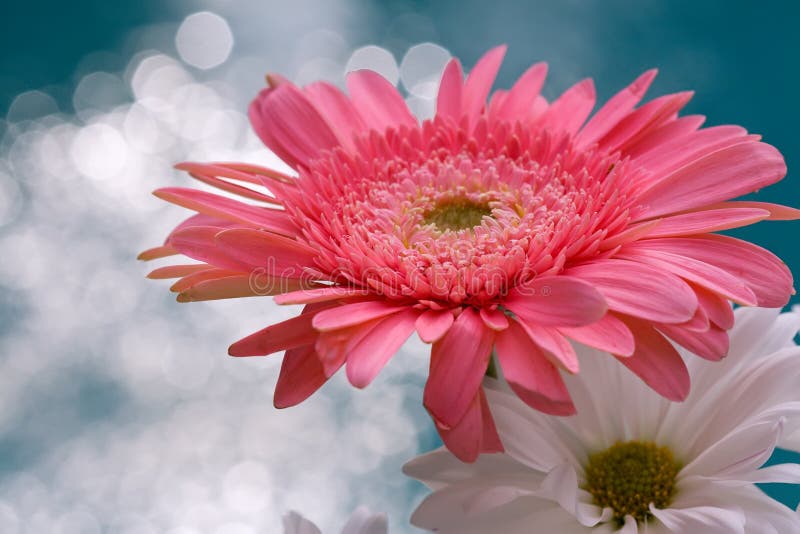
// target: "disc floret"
[[629, 476], [457, 214]]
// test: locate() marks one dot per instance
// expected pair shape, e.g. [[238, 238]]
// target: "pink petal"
[[719, 176], [295, 126], [701, 222], [777, 212], [301, 375], [675, 152], [763, 272], [539, 108], [200, 219], [657, 362], [644, 120], [676, 131], [366, 359], [219, 176], [226, 208], [494, 319], [712, 344], [702, 274], [520, 98], [264, 175], [177, 271], [209, 273], [570, 110], [236, 189], [496, 101], [638, 290], [322, 294], [608, 334], [377, 101], [229, 287], [233, 171], [433, 324], [156, 253], [475, 432], [277, 255], [264, 132], [556, 345], [632, 233], [530, 374], [333, 347], [288, 334], [337, 110], [354, 314], [464, 439], [718, 309], [458, 364], [698, 323], [448, 101], [274, 79], [480, 81], [199, 243], [490, 440], [557, 301], [615, 109]]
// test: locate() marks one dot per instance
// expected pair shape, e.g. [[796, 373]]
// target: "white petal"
[[561, 485], [750, 332], [768, 516], [493, 497], [780, 474], [781, 333], [791, 440], [294, 523], [535, 439], [631, 526], [598, 392], [715, 409], [741, 452], [443, 512], [440, 468], [762, 514], [705, 519], [362, 521]]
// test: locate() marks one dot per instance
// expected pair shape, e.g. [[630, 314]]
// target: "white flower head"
[[631, 461], [362, 521]]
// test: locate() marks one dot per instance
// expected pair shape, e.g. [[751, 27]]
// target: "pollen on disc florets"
[[629, 476], [454, 215]]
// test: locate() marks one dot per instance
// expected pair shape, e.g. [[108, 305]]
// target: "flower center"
[[629, 476], [457, 214]]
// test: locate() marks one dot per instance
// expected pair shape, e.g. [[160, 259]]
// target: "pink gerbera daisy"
[[514, 225]]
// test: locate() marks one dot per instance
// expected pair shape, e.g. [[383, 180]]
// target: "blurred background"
[[119, 409]]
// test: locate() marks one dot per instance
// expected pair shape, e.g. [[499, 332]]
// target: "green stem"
[[491, 370]]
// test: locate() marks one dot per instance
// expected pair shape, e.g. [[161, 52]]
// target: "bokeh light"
[[204, 40], [375, 58], [422, 67]]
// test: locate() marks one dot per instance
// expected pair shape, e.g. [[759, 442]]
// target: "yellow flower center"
[[629, 476], [457, 214]]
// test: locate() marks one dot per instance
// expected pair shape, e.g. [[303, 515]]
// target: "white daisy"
[[361, 522], [631, 461]]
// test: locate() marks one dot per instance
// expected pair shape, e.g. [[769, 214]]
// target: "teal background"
[[741, 58]]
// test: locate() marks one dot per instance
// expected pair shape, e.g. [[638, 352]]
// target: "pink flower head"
[[515, 224]]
